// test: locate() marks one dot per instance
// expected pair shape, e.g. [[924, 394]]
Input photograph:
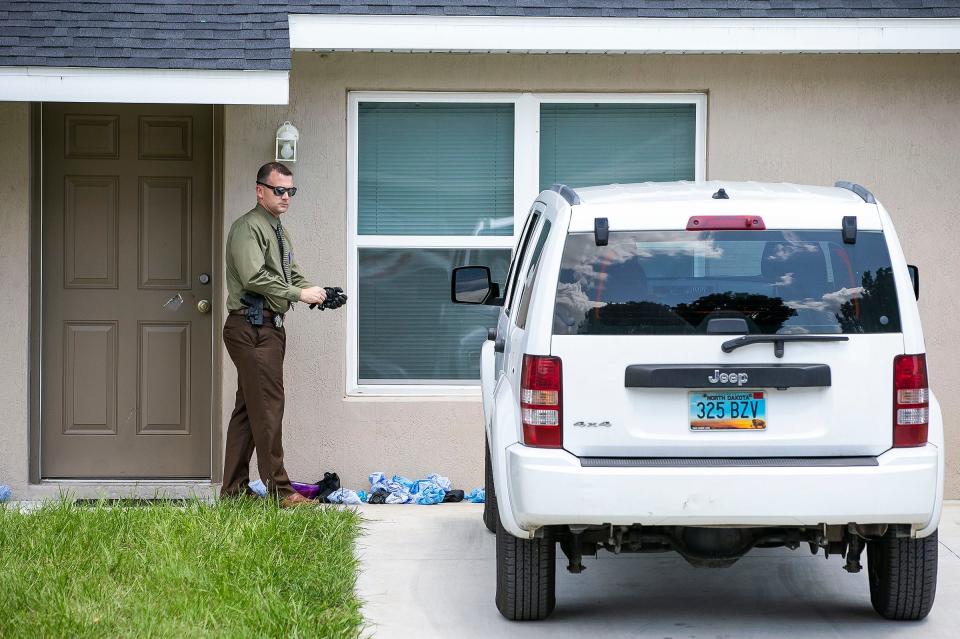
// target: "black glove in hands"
[[335, 298]]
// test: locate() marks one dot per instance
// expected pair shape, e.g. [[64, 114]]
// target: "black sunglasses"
[[280, 190]]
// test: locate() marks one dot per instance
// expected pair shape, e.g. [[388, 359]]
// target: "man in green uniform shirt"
[[260, 262]]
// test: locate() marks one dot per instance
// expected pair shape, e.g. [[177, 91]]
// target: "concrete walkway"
[[429, 571]]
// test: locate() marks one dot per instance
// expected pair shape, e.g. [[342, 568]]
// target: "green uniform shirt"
[[253, 263]]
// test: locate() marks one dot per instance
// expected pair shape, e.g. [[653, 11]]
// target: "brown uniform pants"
[[257, 352]]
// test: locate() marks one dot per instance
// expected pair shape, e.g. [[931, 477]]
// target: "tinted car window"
[[674, 282], [532, 274], [511, 282]]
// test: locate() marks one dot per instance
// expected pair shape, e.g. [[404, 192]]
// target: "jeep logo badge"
[[727, 378]]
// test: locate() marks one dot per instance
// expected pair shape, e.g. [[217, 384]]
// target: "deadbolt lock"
[[203, 306]]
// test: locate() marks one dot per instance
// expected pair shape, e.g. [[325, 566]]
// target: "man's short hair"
[[269, 168]]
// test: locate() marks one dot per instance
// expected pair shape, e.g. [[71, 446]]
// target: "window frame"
[[520, 253], [526, 168], [533, 270]]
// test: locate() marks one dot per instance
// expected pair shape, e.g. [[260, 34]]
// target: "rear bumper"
[[548, 487]]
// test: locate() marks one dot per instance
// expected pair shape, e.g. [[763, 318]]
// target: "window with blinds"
[[435, 169], [436, 186], [591, 144], [409, 330], [428, 169]]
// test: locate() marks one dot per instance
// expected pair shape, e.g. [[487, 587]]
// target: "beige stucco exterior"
[[886, 121], [15, 289]]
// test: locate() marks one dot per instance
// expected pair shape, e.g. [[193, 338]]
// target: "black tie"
[[284, 262]]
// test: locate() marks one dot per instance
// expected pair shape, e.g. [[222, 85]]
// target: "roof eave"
[[161, 86], [503, 34]]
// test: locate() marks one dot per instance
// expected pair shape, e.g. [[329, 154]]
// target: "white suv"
[[707, 368]]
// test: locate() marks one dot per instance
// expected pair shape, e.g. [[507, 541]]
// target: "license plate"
[[728, 410]]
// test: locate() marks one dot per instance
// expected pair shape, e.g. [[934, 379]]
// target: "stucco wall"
[[888, 122], [15, 284]]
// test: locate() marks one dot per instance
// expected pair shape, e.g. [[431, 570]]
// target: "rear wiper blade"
[[778, 340]]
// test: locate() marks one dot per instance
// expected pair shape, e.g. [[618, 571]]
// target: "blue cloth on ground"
[[430, 495], [396, 487], [404, 490], [422, 485], [344, 496], [475, 496], [258, 487], [440, 481], [378, 480], [403, 481], [399, 498], [5, 493]]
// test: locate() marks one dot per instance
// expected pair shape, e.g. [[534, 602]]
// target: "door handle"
[[203, 306]]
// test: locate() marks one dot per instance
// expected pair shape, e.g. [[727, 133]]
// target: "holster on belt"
[[254, 303]]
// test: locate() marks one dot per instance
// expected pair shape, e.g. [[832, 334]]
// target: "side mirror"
[[472, 285], [915, 278]]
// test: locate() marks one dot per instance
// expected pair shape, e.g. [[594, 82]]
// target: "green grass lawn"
[[242, 568]]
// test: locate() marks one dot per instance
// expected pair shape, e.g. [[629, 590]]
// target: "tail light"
[[540, 401], [911, 401]]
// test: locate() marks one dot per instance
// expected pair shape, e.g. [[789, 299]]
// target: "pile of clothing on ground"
[[5, 493], [433, 489]]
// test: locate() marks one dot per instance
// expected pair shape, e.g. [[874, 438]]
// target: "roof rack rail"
[[864, 194], [566, 193]]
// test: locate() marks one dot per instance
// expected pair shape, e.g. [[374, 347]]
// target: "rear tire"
[[526, 576], [491, 514], [903, 576]]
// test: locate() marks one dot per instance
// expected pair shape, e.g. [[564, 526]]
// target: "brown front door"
[[126, 376]]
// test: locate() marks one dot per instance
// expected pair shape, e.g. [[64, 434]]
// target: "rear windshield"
[[675, 282]]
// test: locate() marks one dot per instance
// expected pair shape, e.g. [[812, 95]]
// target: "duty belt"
[[275, 318]]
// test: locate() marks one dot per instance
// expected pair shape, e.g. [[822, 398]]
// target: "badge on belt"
[[278, 320]]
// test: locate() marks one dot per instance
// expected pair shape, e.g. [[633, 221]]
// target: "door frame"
[[36, 295]]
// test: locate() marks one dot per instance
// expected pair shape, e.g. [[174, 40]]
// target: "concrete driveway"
[[429, 571]]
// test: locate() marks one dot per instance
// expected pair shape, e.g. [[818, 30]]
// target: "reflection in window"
[[674, 283], [409, 330]]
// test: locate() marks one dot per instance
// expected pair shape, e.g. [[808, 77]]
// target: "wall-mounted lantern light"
[[287, 136]]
